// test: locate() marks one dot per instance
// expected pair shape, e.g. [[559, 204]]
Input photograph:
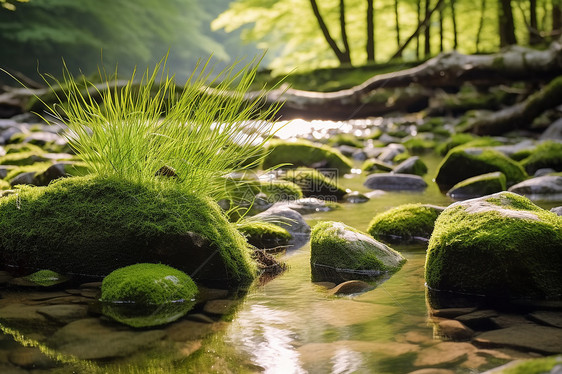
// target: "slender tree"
[[343, 30], [397, 23], [441, 30], [418, 9], [533, 27], [343, 56], [370, 47], [556, 16], [454, 20], [506, 23], [480, 25], [427, 31]]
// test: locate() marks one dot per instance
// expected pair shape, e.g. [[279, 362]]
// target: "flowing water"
[[287, 325]]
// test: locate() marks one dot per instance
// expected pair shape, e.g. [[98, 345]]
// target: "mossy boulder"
[[500, 245], [147, 284], [545, 155], [304, 153], [373, 165], [542, 365], [262, 234], [315, 184], [45, 278], [545, 187], [89, 226], [412, 165], [341, 248], [480, 185], [23, 158], [404, 223], [464, 163], [143, 295]]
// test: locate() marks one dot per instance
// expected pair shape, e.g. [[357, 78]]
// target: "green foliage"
[[127, 136], [545, 155], [304, 153], [147, 284], [404, 223]]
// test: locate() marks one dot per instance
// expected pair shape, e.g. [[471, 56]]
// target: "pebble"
[[541, 339]]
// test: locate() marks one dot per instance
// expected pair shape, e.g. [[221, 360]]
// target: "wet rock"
[[310, 205], [30, 358], [336, 246], [464, 163], [508, 320], [90, 339], [477, 186], [395, 182], [52, 173], [20, 314], [23, 178], [42, 138], [412, 165], [211, 293], [479, 320], [262, 234], [432, 371], [557, 210], [542, 339], [547, 318], [351, 287], [375, 194], [543, 171], [220, 306], [467, 249], [451, 312], [545, 185], [373, 166], [200, 317], [326, 285], [191, 330], [553, 132], [391, 151], [355, 197], [454, 330], [288, 219], [8, 369], [444, 353], [348, 150], [63, 314], [546, 155], [5, 277], [313, 183]]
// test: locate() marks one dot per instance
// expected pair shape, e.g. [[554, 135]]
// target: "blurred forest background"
[[299, 35]]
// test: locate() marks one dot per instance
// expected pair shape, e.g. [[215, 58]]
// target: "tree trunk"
[[441, 30], [397, 23], [556, 16], [420, 27], [370, 47], [341, 55], [454, 20], [346, 50], [506, 24], [427, 31], [480, 25], [534, 33], [520, 115], [448, 70], [418, 8]]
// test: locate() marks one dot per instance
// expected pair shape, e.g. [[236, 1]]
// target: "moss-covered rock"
[[412, 165], [315, 184], [405, 223], [339, 247], [304, 153], [373, 165], [461, 164], [22, 158], [89, 226], [480, 185], [418, 144], [531, 366], [454, 141], [545, 155], [345, 139], [144, 295], [262, 234], [500, 245], [45, 278], [147, 284]]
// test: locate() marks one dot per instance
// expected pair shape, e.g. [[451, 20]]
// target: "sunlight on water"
[[299, 128]]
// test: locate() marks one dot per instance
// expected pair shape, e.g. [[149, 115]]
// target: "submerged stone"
[[480, 185], [395, 182], [464, 163], [405, 223], [545, 185], [499, 245], [336, 246], [90, 226]]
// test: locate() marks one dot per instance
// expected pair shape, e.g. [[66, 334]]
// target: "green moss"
[[533, 366], [263, 234], [36, 167], [5, 185], [93, 225], [479, 185], [280, 190], [375, 133], [418, 145], [315, 184], [23, 147], [304, 153], [22, 158], [147, 284], [243, 192], [374, 165], [140, 316], [46, 278], [463, 163], [345, 139], [401, 157], [454, 141], [412, 165], [339, 246], [498, 245], [404, 223], [545, 155]]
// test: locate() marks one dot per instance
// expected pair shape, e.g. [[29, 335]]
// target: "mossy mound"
[[245, 191], [546, 155], [345, 139], [304, 153], [373, 165], [461, 164], [337, 246], [263, 234], [479, 185], [89, 226], [500, 245], [418, 145], [405, 223], [147, 284], [315, 184], [46, 278]]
